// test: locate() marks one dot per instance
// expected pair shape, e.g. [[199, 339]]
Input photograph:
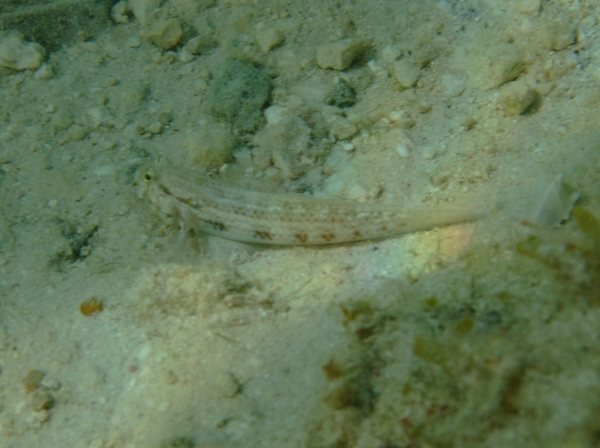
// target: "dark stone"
[[239, 92], [343, 96], [57, 23]]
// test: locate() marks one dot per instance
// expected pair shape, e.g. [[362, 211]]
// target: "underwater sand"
[[118, 331]]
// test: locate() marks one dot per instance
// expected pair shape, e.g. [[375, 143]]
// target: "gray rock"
[[239, 93]]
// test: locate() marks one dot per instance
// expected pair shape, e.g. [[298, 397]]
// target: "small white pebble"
[[44, 72], [357, 192], [390, 54], [155, 128], [347, 146], [119, 12], [395, 116], [105, 170], [133, 42], [376, 69], [268, 38], [50, 109], [52, 203], [50, 383], [429, 152], [424, 106], [185, 56], [403, 151], [274, 114], [374, 191]]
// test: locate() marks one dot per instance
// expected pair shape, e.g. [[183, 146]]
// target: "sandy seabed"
[[118, 331]]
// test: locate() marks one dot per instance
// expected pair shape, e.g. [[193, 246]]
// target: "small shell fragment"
[[403, 150]]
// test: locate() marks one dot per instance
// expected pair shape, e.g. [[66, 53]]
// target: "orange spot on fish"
[[328, 236]]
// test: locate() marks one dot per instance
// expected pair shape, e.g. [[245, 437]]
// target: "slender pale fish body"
[[231, 212]]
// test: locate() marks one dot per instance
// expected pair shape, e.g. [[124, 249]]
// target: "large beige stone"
[[166, 33], [517, 97], [268, 38], [340, 55], [16, 54], [489, 61], [406, 72]]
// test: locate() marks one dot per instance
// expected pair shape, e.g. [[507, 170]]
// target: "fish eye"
[[149, 176]]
